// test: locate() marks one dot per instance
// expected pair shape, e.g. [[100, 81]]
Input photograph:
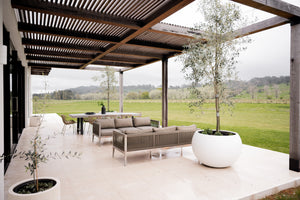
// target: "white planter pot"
[[217, 151], [51, 194]]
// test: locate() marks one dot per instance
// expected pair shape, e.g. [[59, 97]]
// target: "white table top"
[[108, 114]]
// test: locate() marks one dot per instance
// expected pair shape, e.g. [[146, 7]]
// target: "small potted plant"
[[103, 109], [210, 59], [37, 188]]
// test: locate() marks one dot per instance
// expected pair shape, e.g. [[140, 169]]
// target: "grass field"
[[261, 125]]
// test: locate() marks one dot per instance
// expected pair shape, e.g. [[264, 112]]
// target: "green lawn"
[[261, 125]]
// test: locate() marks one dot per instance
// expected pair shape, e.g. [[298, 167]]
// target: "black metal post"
[[6, 102]]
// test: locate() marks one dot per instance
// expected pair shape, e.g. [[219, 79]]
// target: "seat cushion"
[[148, 128], [107, 131], [141, 121], [137, 131], [170, 129], [191, 128], [121, 123], [124, 129], [106, 123]]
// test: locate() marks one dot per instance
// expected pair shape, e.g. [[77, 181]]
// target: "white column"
[[121, 92], [1, 109], [295, 98], [28, 99]]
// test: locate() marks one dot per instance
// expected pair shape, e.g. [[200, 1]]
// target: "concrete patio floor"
[[97, 175]]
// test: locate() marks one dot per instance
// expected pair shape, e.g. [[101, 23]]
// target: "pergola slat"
[[57, 53], [62, 45], [53, 65], [25, 27], [55, 59], [72, 12]]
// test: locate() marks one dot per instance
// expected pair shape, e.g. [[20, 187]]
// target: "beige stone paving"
[[168, 177]]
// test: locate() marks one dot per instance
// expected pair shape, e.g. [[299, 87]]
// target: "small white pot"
[[51, 194], [217, 151]]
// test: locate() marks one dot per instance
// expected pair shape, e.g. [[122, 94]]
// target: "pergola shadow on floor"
[[258, 172]]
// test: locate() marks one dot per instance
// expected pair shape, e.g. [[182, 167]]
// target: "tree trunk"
[[217, 103]]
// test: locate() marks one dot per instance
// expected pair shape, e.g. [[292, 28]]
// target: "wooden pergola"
[[129, 34]]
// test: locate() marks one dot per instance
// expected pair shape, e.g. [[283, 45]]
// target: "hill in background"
[[269, 87]]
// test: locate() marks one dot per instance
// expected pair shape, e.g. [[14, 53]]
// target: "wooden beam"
[[137, 53], [155, 45], [58, 53], [261, 26], [294, 162], [165, 11], [55, 59], [124, 60], [111, 63], [276, 7], [53, 65], [76, 13], [61, 45]]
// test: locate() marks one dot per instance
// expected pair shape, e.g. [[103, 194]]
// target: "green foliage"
[[108, 81], [38, 154], [207, 131], [210, 59], [132, 95], [100, 103], [145, 95], [30, 188]]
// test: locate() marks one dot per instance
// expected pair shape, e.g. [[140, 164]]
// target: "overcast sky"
[[267, 55]]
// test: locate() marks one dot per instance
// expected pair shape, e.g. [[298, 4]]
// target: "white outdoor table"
[[80, 117]]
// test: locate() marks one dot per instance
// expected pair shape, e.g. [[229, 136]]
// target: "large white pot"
[[217, 151], [50, 194]]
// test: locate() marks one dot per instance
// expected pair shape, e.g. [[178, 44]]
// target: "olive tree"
[[108, 81], [211, 57]]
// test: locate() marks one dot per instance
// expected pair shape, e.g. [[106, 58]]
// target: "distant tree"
[[108, 81], [252, 91], [267, 91], [277, 91], [145, 95], [132, 95], [155, 94]]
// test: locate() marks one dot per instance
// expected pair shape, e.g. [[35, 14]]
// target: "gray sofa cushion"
[[191, 128], [170, 129], [107, 132], [137, 131], [123, 130], [120, 123], [141, 121], [148, 128], [106, 123]]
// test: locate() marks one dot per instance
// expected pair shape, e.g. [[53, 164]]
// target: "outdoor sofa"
[[134, 140], [106, 127]]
